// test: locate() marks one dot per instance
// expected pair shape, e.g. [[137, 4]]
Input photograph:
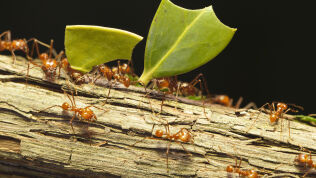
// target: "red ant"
[[13, 45], [228, 102], [306, 160], [170, 85], [183, 135], [276, 114], [247, 173], [82, 113], [236, 169], [119, 73], [76, 76], [49, 65]]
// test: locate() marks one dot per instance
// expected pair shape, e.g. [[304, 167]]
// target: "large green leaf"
[[181, 40], [87, 46]]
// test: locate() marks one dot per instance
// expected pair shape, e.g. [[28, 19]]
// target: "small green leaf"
[[195, 97], [181, 40], [307, 119], [87, 46]]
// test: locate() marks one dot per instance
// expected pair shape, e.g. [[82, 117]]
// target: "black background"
[[270, 58]]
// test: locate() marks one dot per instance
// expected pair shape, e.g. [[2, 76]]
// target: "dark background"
[[270, 58]]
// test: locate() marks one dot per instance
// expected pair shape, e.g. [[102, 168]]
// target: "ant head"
[[301, 158], [50, 65], [159, 133], [273, 117], [252, 174], [77, 77], [282, 105], [43, 56], [65, 106], [230, 168]]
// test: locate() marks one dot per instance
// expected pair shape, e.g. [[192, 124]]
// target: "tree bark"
[[35, 141]]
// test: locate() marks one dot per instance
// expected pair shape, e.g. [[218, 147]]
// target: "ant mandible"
[[85, 113], [276, 114], [306, 159], [183, 135], [13, 45]]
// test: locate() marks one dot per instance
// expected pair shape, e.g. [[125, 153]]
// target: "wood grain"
[[38, 142]]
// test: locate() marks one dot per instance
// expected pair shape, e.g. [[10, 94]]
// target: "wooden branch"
[[38, 142]]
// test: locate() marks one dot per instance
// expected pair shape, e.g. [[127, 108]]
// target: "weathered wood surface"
[[34, 143]]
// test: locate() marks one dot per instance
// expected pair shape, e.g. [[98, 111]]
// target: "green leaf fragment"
[[87, 46], [195, 97], [181, 40], [307, 119]]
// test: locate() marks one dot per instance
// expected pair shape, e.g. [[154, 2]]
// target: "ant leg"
[[273, 106], [237, 106], [167, 155], [205, 88], [50, 48], [38, 41], [35, 45], [90, 141], [152, 129], [251, 105], [262, 107], [13, 56], [108, 96], [162, 100], [297, 107], [97, 78], [70, 122], [50, 107], [73, 99], [204, 82], [288, 121], [307, 172], [7, 35], [177, 94], [190, 154], [98, 108], [147, 96], [72, 103]]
